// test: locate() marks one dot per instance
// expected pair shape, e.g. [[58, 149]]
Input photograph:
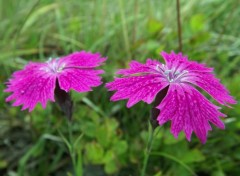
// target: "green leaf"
[[3, 164], [200, 38], [154, 26], [170, 139], [197, 22], [158, 173], [193, 156], [52, 137], [65, 140], [33, 151], [36, 15], [79, 164], [120, 147], [103, 136], [93, 106], [69, 174], [109, 156], [112, 124], [107, 132], [94, 153], [152, 45], [110, 167], [218, 173], [171, 157], [77, 142], [89, 129]]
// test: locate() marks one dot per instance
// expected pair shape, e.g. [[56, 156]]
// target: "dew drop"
[[22, 91]]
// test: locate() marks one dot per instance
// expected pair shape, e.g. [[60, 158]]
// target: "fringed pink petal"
[[82, 59], [180, 62], [189, 111], [138, 88], [30, 86], [212, 85], [141, 82], [200, 75], [79, 71], [37, 81], [172, 59], [139, 68], [80, 80]]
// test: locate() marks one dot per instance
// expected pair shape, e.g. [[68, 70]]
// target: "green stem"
[[148, 149], [76, 155], [70, 132], [71, 148]]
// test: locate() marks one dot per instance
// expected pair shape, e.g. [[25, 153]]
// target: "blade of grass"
[[176, 160], [124, 29]]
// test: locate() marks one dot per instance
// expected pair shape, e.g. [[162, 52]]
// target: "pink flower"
[[183, 105], [36, 83]]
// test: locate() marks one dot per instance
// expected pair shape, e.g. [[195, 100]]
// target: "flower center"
[[53, 66], [173, 74]]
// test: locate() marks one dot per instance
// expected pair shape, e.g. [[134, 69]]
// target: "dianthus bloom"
[[183, 105], [37, 82]]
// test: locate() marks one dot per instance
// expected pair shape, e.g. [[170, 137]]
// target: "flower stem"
[[74, 152], [148, 149], [179, 26], [71, 148]]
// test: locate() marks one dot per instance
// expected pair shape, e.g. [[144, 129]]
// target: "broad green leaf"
[[171, 157], [193, 156], [154, 26], [112, 124], [107, 132], [69, 174], [103, 136], [200, 38], [109, 156], [110, 167], [158, 173], [94, 153], [89, 129], [120, 147], [197, 22], [218, 173], [152, 45], [169, 139], [3, 164]]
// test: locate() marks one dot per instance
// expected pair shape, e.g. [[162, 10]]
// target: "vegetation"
[[106, 138]]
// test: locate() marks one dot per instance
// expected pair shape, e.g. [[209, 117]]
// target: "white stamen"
[[53, 66], [158, 67], [173, 74]]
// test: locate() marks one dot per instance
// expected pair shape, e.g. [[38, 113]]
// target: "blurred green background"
[[110, 139]]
